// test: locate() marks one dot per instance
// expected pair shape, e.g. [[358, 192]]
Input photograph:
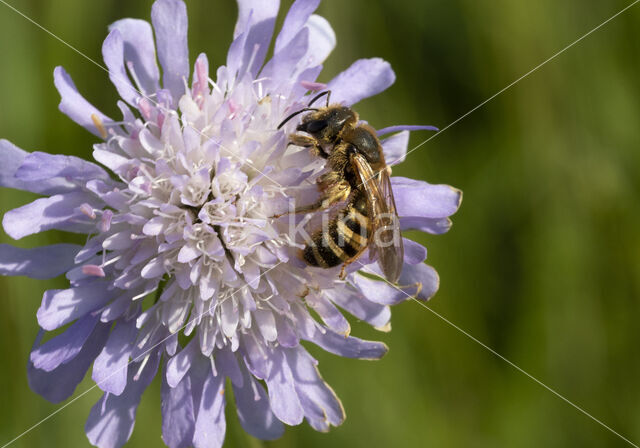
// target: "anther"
[[93, 270], [97, 122]]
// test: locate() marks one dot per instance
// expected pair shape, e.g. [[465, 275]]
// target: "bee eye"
[[316, 126]]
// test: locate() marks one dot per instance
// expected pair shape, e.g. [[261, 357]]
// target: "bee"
[[357, 175]]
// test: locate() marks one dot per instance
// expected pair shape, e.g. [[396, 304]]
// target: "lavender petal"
[[180, 364], [322, 40], [110, 367], [365, 78], [254, 410], [61, 306], [414, 253], [75, 106], [170, 24], [64, 347], [140, 50], [295, 20], [178, 415], [286, 63], [322, 406], [348, 346], [285, 403], [113, 55], [12, 159], [418, 198], [56, 212], [436, 226], [420, 281], [210, 420], [402, 127], [40, 166], [59, 384], [40, 262], [111, 419], [260, 32], [358, 305], [394, 148]]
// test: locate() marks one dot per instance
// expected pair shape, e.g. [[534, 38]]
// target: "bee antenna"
[[306, 109], [320, 95]]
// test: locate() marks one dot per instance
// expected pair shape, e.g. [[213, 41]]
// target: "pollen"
[[97, 122]]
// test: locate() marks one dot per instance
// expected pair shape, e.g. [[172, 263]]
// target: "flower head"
[[185, 271]]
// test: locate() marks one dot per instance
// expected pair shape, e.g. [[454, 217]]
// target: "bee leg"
[[332, 194], [319, 205], [343, 274], [307, 142]]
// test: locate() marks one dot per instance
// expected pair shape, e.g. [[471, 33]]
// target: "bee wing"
[[385, 225]]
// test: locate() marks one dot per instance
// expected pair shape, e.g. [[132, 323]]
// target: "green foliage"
[[542, 263]]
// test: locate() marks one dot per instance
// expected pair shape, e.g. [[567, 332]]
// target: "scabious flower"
[[184, 270]]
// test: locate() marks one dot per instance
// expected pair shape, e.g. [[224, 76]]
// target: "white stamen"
[[142, 365]]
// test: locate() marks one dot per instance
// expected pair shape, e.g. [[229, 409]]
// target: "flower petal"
[[40, 262], [420, 281], [358, 305], [227, 364], [348, 346], [111, 419], [436, 226], [379, 291], [40, 166], [259, 9], [418, 198], [365, 78], [266, 324], [56, 212], [282, 394], [180, 364], [285, 64], [333, 342], [414, 253], [59, 384], [178, 416], [254, 357], [210, 421], [170, 23], [61, 306], [64, 347], [403, 127], [295, 20], [322, 40], [75, 106], [254, 410], [110, 367], [113, 55], [257, 19], [394, 148], [140, 50], [330, 315], [321, 405], [12, 159]]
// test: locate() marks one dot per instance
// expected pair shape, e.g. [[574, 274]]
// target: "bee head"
[[326, 124]]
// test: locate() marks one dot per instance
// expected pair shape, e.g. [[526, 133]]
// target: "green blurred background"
[[542, 263]]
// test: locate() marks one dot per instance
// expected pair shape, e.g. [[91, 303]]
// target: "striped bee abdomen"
[[344, 238]]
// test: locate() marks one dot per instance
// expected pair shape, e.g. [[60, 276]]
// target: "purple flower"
[[181, 239]]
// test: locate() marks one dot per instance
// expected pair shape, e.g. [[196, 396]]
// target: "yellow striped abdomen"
[[344, 238]]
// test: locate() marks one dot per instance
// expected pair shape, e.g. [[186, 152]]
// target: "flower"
[[185, 270]]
